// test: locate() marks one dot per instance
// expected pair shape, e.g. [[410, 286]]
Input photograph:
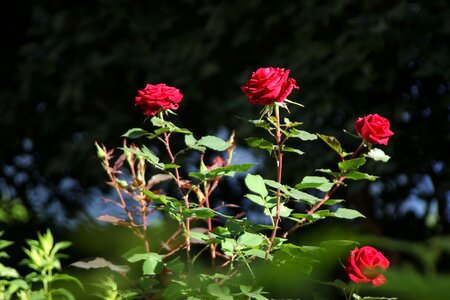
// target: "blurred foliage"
[[13, 210], [41, 282], [71, 71]]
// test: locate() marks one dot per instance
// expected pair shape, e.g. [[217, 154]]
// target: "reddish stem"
[[279, 160], [144, 229], [178, 180], [324, 199]]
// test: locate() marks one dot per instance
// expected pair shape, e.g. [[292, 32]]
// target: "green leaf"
[[256, 296], [284, 211], [170, 166], [198, 237], [5, 244], [260, 143], [8, 272], [67, 277], [65, 294], [222, 171], [153, 265], [293, 150], [338, 243], [309, 217], [135, 133], [190, 140], [332, 142], [228, 246], [329, 172], [158, 122], [199, 212], [261, 124], [352, 164], [137, 257], [214, 143], [377, 155], [220, 291], [256, 199], [229, 169], [301, 134], [16, 284], [255, 252], [333, 201], [175, 265], [317, 182], [274, 184], [156, 198], [255, 183], [345, 213], [355, 175], [290, 124], [302, 196], [250, 239], [145, 153]]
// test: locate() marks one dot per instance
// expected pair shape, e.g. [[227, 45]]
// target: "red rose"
[[269, 85], [367, 265], [156, 97], [374, 129]]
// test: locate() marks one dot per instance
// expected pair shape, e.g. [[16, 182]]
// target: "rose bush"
[[154, 98], [269, 85], [374, 128], [238, 246], [367, 265]]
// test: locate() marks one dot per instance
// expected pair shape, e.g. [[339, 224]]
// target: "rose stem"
[[279, 160], [324, 199], [177, 176]]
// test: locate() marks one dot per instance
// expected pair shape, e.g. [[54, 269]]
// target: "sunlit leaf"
[[355, 175], [135, 133], [301, 134], [256, 199], [250, 239], [153, 264], [352, 164], [317, 182], [345, 213], [255, 183], [213, 142]]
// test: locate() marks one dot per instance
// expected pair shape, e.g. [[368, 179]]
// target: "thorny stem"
[[279, 159], [302, 221], [209, 189], [116, 187], [144, 229]]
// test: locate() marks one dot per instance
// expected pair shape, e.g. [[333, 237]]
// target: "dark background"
[[71, 70]]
